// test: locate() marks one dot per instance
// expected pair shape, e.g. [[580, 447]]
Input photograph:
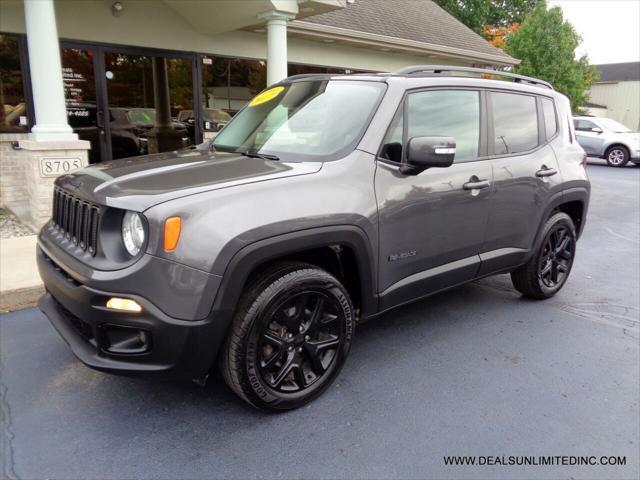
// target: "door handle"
[[546, 172], [475, 184]]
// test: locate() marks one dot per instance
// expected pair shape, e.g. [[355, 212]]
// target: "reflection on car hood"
[[629, 137], [138, 183]]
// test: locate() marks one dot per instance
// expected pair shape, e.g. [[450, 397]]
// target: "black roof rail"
[[437, 69], [309, 75]]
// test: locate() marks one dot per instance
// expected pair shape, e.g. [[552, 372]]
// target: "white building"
[[86, 81], [617, 94]]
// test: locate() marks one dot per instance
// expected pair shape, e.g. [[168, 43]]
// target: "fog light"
[[124, 304]]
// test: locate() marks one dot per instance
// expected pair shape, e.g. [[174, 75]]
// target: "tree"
[[497, 36], [545, 43], [476, 14]]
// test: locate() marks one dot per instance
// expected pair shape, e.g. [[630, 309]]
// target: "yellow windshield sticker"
[[266, 96]]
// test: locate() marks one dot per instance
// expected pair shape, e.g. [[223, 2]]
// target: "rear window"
[[515, 122]]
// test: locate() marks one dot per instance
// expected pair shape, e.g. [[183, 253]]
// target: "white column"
[[276, 45], [46, 72]]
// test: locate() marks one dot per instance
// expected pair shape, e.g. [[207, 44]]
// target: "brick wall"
[[13, 193], [23, 189]]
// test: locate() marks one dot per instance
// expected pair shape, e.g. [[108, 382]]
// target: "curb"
[[19, 299]]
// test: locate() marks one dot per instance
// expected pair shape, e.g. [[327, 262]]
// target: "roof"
[[593, 105], [417, 20], [619, 72]]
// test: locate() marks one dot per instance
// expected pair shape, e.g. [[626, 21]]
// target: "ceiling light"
[[328, 40], [117, 8], [259, 30]]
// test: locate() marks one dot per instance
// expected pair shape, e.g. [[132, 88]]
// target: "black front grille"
[[77, 219]]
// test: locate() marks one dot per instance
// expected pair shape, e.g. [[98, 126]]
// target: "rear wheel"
[[548, 269], [617, 156], [289, 338]]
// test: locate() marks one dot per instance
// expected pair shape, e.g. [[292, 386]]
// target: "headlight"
[[133, 232]]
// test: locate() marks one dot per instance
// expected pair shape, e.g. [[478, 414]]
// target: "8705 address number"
[[55, 166]]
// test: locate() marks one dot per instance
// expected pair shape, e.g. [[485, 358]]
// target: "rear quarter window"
[[550, 119], [515, 122]]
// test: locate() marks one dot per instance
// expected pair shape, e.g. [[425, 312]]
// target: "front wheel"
[[289, 338], [617, 156], [548, 269]]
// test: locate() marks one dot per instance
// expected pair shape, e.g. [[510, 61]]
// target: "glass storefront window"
[[227, 85], [13, 104]]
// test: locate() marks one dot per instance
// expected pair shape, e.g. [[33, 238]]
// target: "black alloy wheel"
[[557, 256], [300, 341], [289, 338], [548, 268]]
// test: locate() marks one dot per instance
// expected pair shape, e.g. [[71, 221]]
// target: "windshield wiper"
[[252, 153]]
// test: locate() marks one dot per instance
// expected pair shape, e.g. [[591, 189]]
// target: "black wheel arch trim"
[[251, 256], [574, 194]]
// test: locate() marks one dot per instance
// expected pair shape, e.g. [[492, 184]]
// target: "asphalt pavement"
[[476, 371]]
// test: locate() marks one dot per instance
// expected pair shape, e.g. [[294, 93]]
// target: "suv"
[[325, 202], [608, 139]]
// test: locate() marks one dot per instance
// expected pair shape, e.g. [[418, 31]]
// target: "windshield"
[[142, 115], [613, 126], [308, 120]]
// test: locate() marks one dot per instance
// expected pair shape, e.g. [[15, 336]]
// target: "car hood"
[[631, 138], [138, 183]]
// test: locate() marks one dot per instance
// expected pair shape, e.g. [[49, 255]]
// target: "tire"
[[289, 338], [548, 269], [617, 156]]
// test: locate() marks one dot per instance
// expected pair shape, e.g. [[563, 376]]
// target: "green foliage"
[[545, 44], [475, 14]]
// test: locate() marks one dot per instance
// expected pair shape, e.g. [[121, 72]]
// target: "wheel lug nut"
[[299, 349], [307, 338], [301, 328], [291, 349], [289, 335]]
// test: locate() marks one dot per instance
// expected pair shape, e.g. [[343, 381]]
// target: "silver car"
[[608, 139]]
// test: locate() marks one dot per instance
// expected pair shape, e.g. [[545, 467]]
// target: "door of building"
[[112, 93]]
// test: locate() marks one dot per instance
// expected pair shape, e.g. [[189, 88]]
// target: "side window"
[[446, 113], [515, 122], [392, 145], [549, 113], [584, 125]]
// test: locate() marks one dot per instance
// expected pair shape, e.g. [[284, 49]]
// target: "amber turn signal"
[[172, 228]]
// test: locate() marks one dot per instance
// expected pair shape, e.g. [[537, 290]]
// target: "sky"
[[609, 28]]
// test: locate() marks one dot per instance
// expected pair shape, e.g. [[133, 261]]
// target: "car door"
[[432, 224], [522, 128], [591, 141]]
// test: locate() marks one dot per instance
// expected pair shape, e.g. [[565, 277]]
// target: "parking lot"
[[476, 371]]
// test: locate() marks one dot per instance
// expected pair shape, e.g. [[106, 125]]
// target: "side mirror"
[[429, 152], [596, 130]]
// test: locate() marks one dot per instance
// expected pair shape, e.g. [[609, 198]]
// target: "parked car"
[[213, 120], [608, 139], [128, 127], [83, 118], [325, 202], [139, 121]]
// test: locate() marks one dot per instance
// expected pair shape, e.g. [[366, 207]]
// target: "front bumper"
[[156, 344]]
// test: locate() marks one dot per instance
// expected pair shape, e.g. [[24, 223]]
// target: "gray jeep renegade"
[[325, 202]]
